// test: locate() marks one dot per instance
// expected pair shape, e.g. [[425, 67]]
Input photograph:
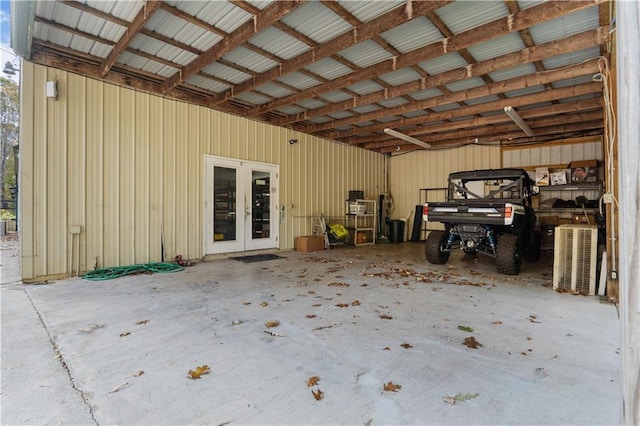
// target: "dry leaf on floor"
[[391, 387], [126, 333], [117, 388], [355, 303], [342, 305], [497, 322], [316, 305], [471, 342], [312, 381], [199, 371], [246, 303], [406, 345], [138, 373], [387, 317], [271, 324], [318, 395], [274, 334], [465, 328], [461, 397], [386, 348], [311, 316], [141, 322], [534, 319], [264, 304]]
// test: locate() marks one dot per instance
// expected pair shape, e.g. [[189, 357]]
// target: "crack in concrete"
[[56, 350]]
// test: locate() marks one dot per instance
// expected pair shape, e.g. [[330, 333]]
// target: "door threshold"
[[218, 256]]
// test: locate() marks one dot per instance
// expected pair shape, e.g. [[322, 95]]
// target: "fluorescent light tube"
[[513, 115], [407, 138]]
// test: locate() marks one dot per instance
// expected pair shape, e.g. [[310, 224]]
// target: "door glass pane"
[[261, 201], [224, 209]]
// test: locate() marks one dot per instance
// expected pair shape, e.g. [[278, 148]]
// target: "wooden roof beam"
[[259, 23], [530, 80], [549, 95], [361, 33], [553, 48], [144, 14], [522, 19]]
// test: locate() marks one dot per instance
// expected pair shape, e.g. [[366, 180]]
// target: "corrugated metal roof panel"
[[81, 44], [460, 16], [320, 120], [347, 127], [311, 103], [525, 4], [365, 87], [580, 98], [416, 33], [393, 102], [100, 50], [513, 72], [447, 107], [367, 10], [467, 83], [274, 90], [260, 4], [335, 96], [365, 54], [400, 76], [250, 60], [207, 83], [388, 119], [325, 23], [299, 80], [417, 113], [572, 81], [565, 26], [524, 91], [340, 114], [426, 94], [363, 109], [443, 63], [291, 109], [328, 68], [482, 100], [253, 98], [279, 43], [497, 47], [571, 58], [166, 24], [226, 73], [126, 10]]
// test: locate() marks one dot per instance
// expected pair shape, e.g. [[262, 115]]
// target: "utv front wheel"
[[508, 255], [434, 248]]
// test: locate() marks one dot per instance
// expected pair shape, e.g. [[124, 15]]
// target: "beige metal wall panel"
[[430, 169], [559, 153], [127, 167]]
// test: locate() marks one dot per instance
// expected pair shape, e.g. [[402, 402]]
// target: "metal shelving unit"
[[360, 221]]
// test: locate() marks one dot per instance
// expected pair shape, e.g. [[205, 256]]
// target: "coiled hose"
[[120, 271]]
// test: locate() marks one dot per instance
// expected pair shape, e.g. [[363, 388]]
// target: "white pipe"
[[513, 115]]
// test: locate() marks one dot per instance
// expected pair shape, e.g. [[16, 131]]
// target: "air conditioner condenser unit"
[[575, 259]]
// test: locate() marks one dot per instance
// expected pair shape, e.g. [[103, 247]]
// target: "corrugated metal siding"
[[430, 169], [553, 154], [127, 167]]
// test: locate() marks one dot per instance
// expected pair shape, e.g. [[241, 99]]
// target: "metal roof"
[[345, 70]]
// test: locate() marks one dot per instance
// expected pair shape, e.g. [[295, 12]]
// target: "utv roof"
[[491, 174]]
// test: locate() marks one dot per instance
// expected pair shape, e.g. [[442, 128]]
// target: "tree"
[[9, 133]]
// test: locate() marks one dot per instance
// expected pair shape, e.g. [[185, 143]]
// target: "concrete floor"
[[119, 352]]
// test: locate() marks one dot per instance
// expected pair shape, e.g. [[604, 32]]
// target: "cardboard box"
[[548, 220], [309, 243], [542, 176], [560, 177], [584, 171], [535, 201], [584, 219]]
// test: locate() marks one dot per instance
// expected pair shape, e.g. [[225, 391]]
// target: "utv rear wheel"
[[508, 256], [434, 248]]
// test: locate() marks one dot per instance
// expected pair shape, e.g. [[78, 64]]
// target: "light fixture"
[[9, 69], [407, 138], [51, 89], [513, 115]]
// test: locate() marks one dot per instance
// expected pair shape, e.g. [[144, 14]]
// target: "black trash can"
[[396, 231]]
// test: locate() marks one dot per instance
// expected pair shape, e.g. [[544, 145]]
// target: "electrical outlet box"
[[607, 198], [74, 229]]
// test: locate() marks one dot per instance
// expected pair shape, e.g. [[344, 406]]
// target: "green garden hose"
[[120, 271]]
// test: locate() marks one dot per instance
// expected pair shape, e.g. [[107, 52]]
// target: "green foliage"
[[9, 134]]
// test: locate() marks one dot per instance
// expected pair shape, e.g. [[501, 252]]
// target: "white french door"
[[240, 205]]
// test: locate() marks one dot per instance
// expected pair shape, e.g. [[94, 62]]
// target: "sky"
[[6, 54]]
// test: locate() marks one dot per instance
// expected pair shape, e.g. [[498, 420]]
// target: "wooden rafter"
[[145, 13], [579, 41], [522, 19], [267, 17], [366, 31]]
